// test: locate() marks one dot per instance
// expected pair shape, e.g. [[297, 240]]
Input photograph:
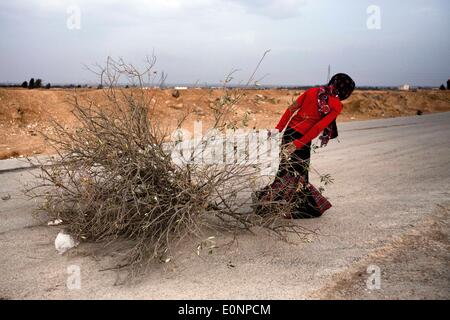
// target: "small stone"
[[177, 106], [54, 222], [176, 94]]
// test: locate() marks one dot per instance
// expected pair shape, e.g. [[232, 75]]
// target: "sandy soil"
[[24, 113]]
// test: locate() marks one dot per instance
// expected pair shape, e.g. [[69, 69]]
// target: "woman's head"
[[343, 84]]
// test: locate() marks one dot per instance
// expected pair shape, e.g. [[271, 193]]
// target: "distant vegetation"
[[38, 83], [32, 84]]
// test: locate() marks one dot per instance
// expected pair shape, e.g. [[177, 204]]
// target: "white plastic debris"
[[54, 222], [64, 242]]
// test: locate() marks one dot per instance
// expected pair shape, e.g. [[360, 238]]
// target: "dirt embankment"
[[23, 113]]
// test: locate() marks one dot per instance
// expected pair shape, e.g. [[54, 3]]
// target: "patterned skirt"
[[291, 189]]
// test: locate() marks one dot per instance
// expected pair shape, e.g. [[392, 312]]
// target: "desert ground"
[[24, 113], [391, 205]]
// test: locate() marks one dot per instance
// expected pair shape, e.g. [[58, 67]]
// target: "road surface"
[[391, 201]]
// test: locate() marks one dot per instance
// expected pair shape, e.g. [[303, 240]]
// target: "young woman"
[[315, 111]]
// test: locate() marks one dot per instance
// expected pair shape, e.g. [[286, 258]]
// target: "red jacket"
[[308, 120]]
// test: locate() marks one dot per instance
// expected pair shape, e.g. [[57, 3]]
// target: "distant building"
[[404, 87], [180, 88]]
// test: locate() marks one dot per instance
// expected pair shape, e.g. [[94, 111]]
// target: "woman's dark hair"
[[343, 84]]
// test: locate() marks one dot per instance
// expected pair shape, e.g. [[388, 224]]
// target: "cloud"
[[275, 9]]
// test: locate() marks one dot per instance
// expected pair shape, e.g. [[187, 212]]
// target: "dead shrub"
[[114, 178]]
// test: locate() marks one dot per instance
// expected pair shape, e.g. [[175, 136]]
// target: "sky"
[[377, 42]]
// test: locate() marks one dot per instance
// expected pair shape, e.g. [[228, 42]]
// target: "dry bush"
[[114, 178]]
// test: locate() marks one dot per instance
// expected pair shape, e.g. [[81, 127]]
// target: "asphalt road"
[[391, 201]]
